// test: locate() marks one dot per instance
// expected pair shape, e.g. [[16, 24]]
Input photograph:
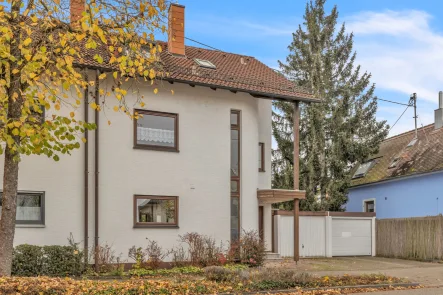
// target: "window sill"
[[30, 226], [153, 148], [155, 226]]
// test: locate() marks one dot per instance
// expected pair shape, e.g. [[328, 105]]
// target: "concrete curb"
[[378, 286]]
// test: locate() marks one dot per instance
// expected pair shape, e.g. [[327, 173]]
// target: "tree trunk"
[[12, 155], [9, 208]]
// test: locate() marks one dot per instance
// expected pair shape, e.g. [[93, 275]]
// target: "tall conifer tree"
[[336, 133]]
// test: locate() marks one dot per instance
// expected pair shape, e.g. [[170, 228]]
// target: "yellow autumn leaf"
[[116, 108], [27, 41], [84, 139], [57, 107], [155, 91], [94, 105], [72, 114]]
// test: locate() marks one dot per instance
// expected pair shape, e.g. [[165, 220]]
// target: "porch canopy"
[[272, 196]]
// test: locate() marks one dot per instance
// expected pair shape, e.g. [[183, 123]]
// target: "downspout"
[[86, 175], [96, 169]]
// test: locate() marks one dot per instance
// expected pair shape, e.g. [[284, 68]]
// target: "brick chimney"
[[176, 29], [77, 8]]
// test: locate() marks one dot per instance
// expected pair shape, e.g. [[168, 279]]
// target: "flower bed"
[[58, 286]]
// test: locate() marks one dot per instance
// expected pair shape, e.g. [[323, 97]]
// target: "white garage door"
[[351, 237]]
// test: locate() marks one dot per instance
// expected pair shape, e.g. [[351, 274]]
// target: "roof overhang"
[[271, 196], [257, 94]]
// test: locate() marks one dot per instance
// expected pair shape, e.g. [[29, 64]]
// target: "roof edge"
[[391, 179], [253, 93]]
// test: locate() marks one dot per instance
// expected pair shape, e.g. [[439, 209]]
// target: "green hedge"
[[31, 260]]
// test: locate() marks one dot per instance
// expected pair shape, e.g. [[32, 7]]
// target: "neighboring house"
[[405, 178], [198, 161]]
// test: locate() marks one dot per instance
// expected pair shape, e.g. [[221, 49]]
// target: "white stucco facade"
[[199, 174]]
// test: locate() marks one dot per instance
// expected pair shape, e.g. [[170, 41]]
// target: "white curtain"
[[155, 135]]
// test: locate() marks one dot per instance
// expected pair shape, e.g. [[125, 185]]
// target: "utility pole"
[[413, 102]]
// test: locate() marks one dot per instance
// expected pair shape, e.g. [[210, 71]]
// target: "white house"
[[198, 161]]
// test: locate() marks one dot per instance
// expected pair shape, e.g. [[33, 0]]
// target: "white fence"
[[325, 234]]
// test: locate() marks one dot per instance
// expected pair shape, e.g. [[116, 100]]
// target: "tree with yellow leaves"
[[47, 48]]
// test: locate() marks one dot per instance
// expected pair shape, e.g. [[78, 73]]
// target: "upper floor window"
[[30, 208], [156, 131], [261, 157], [363, 169]]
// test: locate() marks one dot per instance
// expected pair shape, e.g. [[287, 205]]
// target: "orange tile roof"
[[426, 155], [233, 71]]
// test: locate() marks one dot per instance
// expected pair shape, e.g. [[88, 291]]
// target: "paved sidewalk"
[[427, 274], [424, 291]]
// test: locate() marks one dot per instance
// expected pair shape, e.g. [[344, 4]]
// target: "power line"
[[202, 43], [399, 118], [403, 104]]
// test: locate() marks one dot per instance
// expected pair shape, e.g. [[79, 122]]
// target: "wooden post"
[[296, 161]]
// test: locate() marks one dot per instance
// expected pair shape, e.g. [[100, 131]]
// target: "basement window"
[[204, 63], [363, 169]]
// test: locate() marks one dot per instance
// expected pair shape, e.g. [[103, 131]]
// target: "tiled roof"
[[233, 71], [426, 155]]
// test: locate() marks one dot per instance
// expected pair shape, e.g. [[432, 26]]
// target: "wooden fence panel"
[[410, 238]]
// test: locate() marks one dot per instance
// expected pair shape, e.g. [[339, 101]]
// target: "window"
[[394, 163], [235, 174], [155, 211], [411, 143], [261, 157], [369, 206], [156, 131], [204, 63], [30, 208], [363, 169]]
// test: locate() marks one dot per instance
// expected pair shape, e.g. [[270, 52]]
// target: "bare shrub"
[[106, 259], [155, 254], [151, 257], [202, 250], [139, 256], [179, 256], [249, 249]]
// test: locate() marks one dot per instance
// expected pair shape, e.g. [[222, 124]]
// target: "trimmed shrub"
[[31, 260], [27, 260], [62, 261]]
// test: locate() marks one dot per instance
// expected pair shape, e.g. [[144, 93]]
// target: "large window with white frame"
[[30, 208]]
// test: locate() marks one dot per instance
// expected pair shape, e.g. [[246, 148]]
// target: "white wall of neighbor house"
[[199, 174]]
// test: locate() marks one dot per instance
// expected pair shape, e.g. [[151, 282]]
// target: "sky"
[[400, 42]]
